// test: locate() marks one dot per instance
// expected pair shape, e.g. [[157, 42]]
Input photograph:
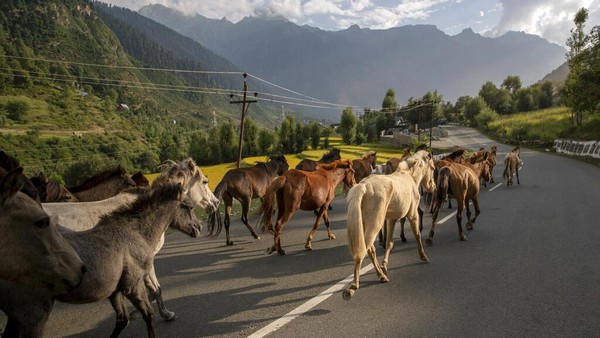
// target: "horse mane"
[[333, 154], [368, 154], [455, 154], [334, 165], [98, 178], [421, 146], [147, 200], [8, 162]]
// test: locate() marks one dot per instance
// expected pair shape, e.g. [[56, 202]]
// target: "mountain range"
[[356, 66]]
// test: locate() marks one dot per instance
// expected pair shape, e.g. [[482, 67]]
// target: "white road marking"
[[302, 309], [499, 184]]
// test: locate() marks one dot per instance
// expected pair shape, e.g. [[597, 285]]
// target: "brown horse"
[[50, 190], [103, 185], [492, 162], [511, 165], [479, 163], [8, 163], [303, 190], [37, 262], [245, 184], [364, 166], [310, 165], [140, 180], [460, 182]]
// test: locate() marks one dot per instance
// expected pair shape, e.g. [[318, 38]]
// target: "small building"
[[122, 107]]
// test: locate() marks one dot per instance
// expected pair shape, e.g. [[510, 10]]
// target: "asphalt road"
[[530, 268]]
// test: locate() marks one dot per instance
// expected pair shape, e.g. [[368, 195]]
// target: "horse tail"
[[265, 211], [355, 225], [443, 186], [220, 189]]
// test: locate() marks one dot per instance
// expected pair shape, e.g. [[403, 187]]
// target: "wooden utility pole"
[[245, 103]]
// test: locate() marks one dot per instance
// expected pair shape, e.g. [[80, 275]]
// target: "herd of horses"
[[98, 240]]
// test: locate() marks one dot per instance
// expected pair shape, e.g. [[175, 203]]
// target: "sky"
[[550, 19]]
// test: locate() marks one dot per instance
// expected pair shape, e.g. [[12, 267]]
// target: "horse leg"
[[378, 268], [139, 298], [330, 233], [153, 286], [402, 237], [390, 225], [245, 208], [459, 208], [322, 211], [436, 213], [469, 224], [118, 303], [382, 236], [228, 201], [415, 226], [477, 210], [347, 294], [281, 222], [517, 173]]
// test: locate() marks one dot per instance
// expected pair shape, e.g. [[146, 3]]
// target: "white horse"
[[85, 215], [36, 262], [386, 197]]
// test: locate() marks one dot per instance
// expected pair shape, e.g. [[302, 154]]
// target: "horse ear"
[[10, 184]]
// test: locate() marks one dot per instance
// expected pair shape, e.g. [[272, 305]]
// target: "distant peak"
[[467, 31]]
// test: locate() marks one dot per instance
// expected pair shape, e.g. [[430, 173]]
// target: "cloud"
[[551, 20]]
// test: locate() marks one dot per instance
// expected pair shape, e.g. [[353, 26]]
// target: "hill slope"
[[357, 66]]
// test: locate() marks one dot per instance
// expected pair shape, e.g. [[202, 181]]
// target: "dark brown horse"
[[50, 190], [364, 166], [140, 180], [310, 165], [460, 182], [245, 184], [8, 163], [303, 190], [103, 185]]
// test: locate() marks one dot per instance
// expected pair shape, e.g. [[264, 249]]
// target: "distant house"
[[122, 107]]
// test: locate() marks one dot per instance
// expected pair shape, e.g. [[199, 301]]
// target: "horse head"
[[36, 253], [371, 157], [140, 180], [185, 219], [278, 164]]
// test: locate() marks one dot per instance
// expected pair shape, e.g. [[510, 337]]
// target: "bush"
[[17, 110]]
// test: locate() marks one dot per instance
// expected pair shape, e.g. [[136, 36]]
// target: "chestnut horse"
[[103, 185], [245, 184], [511, 165], [460, 182], [303, 190], [386, 197], [50, 190], [492, 162], [310, 165]]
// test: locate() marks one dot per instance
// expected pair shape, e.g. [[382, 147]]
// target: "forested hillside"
[[76, 96]]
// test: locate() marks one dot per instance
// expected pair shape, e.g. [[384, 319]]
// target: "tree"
[[286, 135], [301, 137], [545, 95], [250, 146], [266, 141], [389, 101], [315, 135], [499, 99], [486, 116], [525, 100], [17, 110], [575, 90], [512, 83], [347, 126], [473, 107]]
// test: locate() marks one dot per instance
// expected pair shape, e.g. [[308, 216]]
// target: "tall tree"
[[389, 101], [347, 126], [573, 86], [512, 83]]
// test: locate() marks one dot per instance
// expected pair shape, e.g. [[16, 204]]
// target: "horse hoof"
[[403, 239], [384, 279], [463, 238], [332, 237], [270, 250], [425, 259], [429, 241], [347, 294], [256, 237], [170, 316], [308, 247], [229, 243], [281, 252]]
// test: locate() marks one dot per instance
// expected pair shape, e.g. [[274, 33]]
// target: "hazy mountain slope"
[[357, 66]]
